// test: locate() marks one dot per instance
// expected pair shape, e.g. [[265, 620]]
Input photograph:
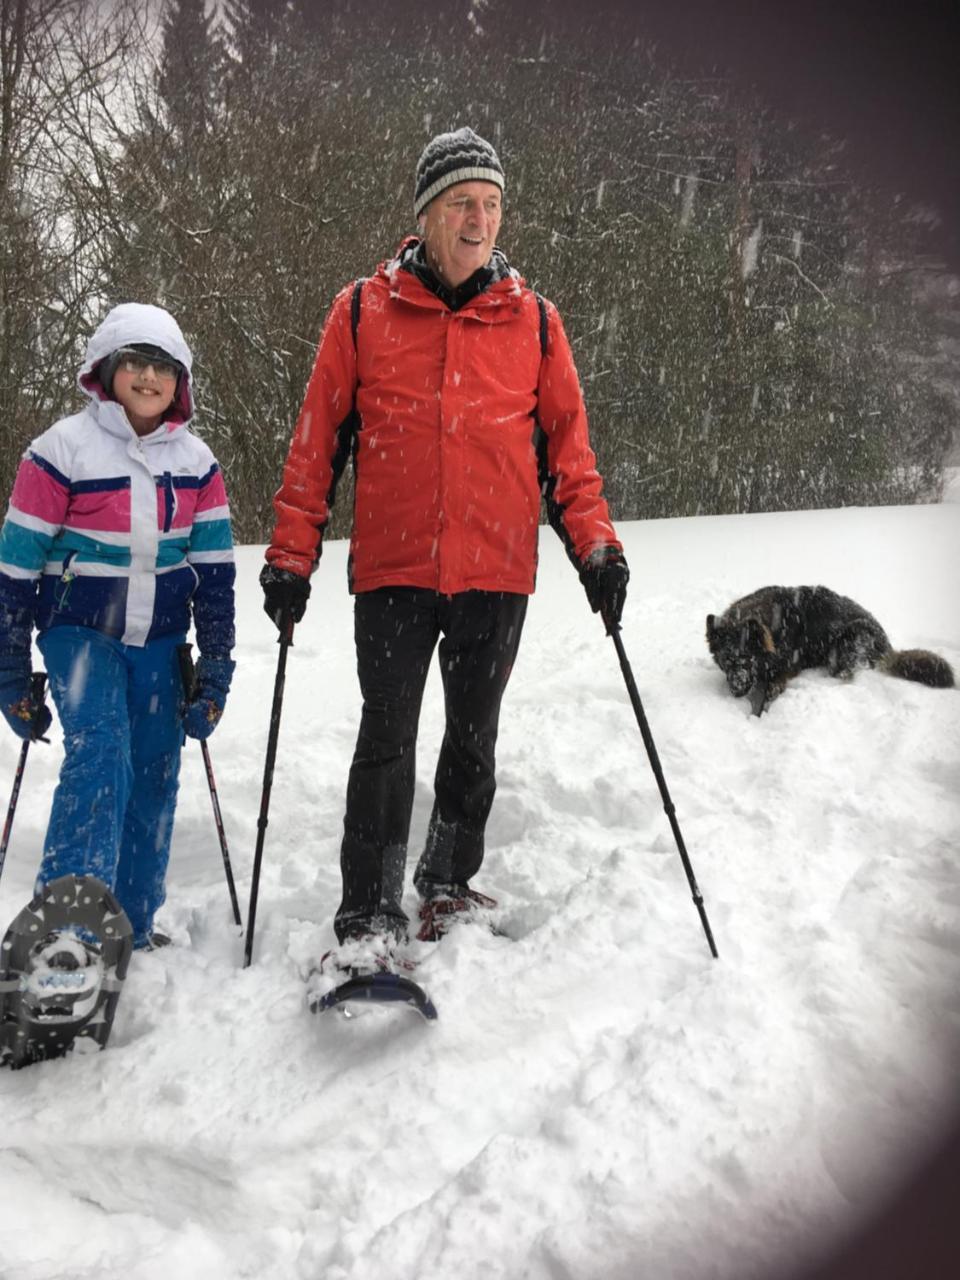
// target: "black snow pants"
[[396, 631]]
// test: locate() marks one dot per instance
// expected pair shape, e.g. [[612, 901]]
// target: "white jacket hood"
[[128, 324]]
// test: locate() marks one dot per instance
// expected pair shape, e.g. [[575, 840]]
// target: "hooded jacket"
[[127, 535], [458, 422]]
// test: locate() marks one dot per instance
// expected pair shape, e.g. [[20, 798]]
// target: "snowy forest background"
[[755, 328]]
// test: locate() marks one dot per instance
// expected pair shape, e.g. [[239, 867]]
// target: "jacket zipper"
[[66, 582], [166, 484]]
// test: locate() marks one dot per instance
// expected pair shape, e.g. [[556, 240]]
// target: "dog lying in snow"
[[767, 637]]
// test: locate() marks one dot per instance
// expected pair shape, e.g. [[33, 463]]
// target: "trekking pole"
[[285, 640], [613, 630], [38, 682], [188, 679]]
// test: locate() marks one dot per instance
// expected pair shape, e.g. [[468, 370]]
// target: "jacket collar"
[[112, 417], [411, 277]]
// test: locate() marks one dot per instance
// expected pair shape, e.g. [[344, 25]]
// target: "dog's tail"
[[918, 664]]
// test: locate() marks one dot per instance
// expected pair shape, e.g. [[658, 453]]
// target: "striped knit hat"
[[461, 156]]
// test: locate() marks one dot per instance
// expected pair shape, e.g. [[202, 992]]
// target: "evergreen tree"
[[190, 69], [741, 314]]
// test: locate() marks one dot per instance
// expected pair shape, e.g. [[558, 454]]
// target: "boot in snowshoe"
[[63, 976], [441, 911], [366, 955], [153, 941], [371, 968]]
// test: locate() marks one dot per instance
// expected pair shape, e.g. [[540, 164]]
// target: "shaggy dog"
[[767, 637]]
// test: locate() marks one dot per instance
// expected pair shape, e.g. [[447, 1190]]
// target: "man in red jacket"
[[453, 387]]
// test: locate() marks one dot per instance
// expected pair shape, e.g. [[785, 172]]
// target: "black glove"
[[21, 700], [285, 595], [605, 575]]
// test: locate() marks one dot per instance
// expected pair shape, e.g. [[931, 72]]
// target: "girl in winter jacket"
[[118, 532]]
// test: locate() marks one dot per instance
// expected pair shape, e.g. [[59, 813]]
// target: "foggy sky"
[[881, 75]]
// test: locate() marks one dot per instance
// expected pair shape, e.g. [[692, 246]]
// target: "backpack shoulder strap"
[[542, 308], [355, 309]]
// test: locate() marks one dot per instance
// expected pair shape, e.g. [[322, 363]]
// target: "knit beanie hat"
[[449, 158]]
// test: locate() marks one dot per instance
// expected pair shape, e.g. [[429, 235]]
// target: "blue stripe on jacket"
[[171, 604], [49, 468], [18, 600], [109, 484], [213, 609], [100, 603]]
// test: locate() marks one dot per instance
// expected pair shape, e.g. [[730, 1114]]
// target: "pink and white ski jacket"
[[128, 535]]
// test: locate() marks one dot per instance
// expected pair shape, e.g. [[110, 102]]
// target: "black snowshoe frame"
[[380, 988], [78, 904]]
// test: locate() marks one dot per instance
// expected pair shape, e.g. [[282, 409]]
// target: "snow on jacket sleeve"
[[576, 507], [210, 553], [319, 448], [37, 509]]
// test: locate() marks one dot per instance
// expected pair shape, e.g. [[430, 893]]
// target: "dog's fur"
[[767, 637]]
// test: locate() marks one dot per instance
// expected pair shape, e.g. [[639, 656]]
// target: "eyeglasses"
[[135, 362]]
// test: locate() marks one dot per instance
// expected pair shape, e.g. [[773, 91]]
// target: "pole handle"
[[188, 674], [38, 684]]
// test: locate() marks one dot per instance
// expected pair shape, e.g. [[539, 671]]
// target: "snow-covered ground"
[[599, 1098]]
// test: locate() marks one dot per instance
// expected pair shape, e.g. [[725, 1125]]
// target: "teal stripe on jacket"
[[171, 551], [211, 535], [25, 548], [88, 550]]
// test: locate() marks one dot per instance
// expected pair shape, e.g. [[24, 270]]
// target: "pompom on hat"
[[449, 158]]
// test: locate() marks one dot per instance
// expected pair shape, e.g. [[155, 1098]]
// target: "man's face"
[[460, 227]]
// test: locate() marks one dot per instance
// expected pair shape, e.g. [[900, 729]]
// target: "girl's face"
[[144, 391]]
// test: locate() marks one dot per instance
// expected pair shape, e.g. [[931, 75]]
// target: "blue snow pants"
[[112, 816]]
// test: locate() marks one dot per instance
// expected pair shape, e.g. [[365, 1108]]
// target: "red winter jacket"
[[441, 409]]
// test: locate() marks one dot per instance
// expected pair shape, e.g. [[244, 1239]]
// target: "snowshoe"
[[153, 941], [380, 988], [439, 913], [371, 969], [62, 965]]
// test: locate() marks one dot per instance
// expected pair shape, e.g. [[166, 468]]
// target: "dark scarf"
[[415, 261]]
